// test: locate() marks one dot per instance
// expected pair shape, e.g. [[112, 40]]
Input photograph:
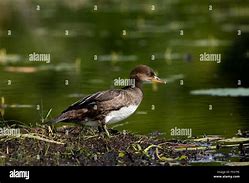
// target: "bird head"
[[145, 73]]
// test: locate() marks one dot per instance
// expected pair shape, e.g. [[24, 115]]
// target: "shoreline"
[[69, 146]]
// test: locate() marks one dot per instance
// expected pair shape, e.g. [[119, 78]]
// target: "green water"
[[148, 32]]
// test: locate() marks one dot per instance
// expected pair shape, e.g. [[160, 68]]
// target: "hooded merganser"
[[110, 106]]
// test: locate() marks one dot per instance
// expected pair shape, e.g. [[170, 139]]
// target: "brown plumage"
[[109, 106]]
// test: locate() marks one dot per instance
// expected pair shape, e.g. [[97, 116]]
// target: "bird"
[[110, 106]]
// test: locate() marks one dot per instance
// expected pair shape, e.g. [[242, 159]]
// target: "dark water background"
[[148, 33]]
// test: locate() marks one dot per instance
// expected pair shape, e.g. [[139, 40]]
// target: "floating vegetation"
[[234, 27], [3, 106], [115, 57], [58, 67], [19, 106], [169, 56], [174, 78], [8, 58], [47, 67], [77, 95], [21, 69], [200, 42], [239, 11], [231, 92], [161, 28], [141, 112]]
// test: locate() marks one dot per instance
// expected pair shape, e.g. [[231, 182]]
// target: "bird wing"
[[104, 101], [91, 100]]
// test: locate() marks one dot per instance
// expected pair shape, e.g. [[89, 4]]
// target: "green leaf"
[[183, 157], [121, 154]]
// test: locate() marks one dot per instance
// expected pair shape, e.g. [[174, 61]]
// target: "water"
[[89, 49]]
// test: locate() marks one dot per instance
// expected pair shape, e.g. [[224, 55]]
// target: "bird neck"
[[138, 82]]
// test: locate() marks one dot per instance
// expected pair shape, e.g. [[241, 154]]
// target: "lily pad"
[[231, 92], [237, 164], [235, 139]]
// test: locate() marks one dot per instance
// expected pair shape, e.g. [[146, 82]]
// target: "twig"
[[32, 136], [40, 138]]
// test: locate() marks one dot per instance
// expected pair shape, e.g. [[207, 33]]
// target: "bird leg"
[[110, 131], [50, 131], [100, 129], [106, 131]]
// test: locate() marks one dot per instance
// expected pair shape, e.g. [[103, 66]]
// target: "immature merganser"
[[110, 106]]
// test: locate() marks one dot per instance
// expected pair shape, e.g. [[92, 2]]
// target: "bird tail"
[[55, 120]]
